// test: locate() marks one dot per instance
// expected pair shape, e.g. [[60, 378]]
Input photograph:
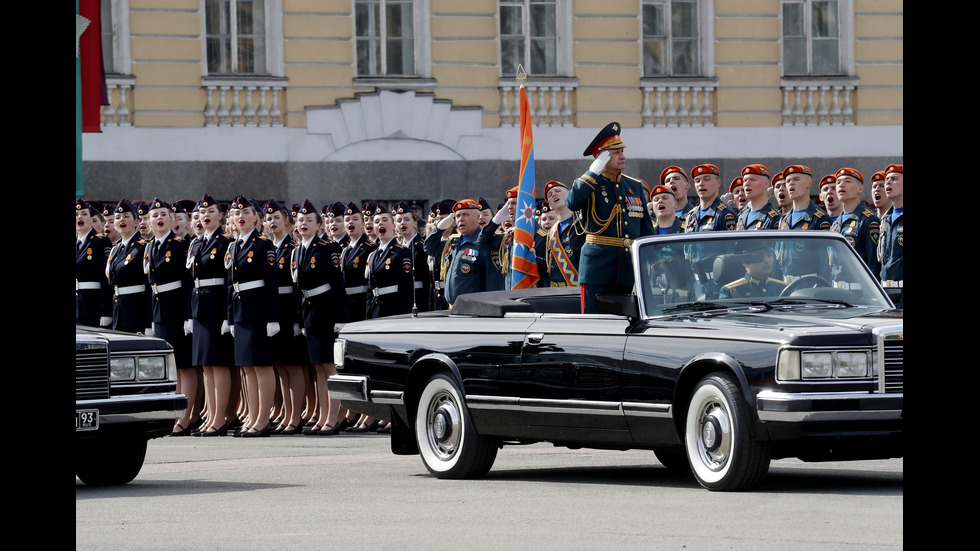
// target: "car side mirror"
[[620, 305]]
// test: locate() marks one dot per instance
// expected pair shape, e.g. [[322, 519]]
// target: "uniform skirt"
[[210, 346], [252, 346], [291, 350], [320, 346], [173, 333]]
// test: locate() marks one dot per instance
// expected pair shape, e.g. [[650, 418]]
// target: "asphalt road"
[[350, 492]]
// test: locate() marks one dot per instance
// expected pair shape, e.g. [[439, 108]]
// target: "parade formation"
[[251, 294]]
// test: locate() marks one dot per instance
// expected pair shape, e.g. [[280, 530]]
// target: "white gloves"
[[337, 327], [600, 162], [272, 328], [502, 215], [152, 330], [225, 328], [188, 327], [297, 330], [446, 222], [148, 331], [105, 321]]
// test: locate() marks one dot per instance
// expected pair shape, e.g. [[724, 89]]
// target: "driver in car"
[[758, 259]]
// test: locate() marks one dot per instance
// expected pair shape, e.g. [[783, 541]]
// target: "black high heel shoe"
[[258, 433], [332, 431], [291, 430], [216, 432]]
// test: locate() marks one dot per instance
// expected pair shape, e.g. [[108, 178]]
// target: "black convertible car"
[[720, 361]]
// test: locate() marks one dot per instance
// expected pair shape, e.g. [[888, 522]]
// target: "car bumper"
[[828, 407], [357, 388], [138, 408]]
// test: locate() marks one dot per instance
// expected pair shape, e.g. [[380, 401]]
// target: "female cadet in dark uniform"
[[254, 315], [131, 297], [407, 229], [213, 349], [389, 271], [292, 356], [164, 263], [93, 304], [318, 276], [354, 259]]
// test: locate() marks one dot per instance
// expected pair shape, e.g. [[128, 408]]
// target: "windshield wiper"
[[830, 303], [701, 308]]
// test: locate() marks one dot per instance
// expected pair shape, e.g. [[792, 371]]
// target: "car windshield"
[[683, 274]]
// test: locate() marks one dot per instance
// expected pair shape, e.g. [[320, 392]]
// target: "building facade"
[[353, 100]]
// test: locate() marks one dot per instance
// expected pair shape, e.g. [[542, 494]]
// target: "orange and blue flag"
[[524, 267]]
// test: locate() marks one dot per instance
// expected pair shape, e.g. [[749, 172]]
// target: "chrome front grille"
[[91, 370], [891, 361]]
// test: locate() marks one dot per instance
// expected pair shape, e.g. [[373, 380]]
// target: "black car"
[[718, 362], [125, 394]]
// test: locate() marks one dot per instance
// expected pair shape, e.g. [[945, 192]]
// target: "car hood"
[[120, 341], [800, 326]]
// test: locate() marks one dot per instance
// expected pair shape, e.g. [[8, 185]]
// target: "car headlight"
[[339, 347], [152, 367], [796, 365], [122, 369]]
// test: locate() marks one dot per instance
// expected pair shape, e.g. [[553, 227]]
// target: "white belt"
[[418, 284], [384, 290], [791, 278], [90, 285], [316, 290], [357, 290], [285, 289], [892, 283], [440, 284], [210, 282], [130, 289], [248, 285], [157, 289]]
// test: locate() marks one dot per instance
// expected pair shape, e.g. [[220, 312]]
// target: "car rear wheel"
[[109, 462], [720, 448], [449, 445]]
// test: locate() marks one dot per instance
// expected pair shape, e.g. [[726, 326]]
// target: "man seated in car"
[[758, 259]]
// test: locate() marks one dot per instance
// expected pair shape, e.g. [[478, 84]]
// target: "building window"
[[812, 37], [671, 38], [235, 33], [529, 37], [108, 38], [385, 37]]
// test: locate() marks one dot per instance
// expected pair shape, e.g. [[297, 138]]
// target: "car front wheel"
[[109, 462], [720, 448], [449, 444]]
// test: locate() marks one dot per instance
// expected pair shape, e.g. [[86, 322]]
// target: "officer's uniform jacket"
[[353, 262], [206, 261], [793, 261], [563, 250], [93, 297], [891, 249], [252, 274], [165, 264], [862, 229], [466, 267], [750, 287], [319, 278], [717, 217], [614, 213], [766, 218], [131, 293], [390, 280]]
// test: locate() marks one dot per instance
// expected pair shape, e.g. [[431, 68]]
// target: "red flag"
[[93, 87]]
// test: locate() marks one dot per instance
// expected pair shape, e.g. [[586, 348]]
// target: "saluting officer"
[[131, 297], [465, 267], [93, 297], [389, 271], [439, 263], [759, 214], [614, 213]]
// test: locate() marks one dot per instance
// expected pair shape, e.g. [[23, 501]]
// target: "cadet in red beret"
[[665, 210], [738, 194], [892, 246], [858, 223], [712, 214], [759, 213], [565, 239], [676, 179], [880, 201], [613, 210], [804, 216], [828, 196]]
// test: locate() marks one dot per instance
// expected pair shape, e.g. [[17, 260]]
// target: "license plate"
[[86, 419]]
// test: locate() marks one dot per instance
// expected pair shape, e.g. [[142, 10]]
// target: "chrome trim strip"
[[392, 397], [348, 387], [639, 409], [476, 401], [798, 407], [571, 406]]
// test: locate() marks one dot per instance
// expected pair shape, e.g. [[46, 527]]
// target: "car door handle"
[[534, 338]]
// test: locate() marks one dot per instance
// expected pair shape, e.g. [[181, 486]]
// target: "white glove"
[[600, 162], [148, 331], [446, 222], [188, 327], [303, 331], [272, 328], [225, 328], [337, 327], [105, 321], [297, 330], [231, 329], [502, 215]]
